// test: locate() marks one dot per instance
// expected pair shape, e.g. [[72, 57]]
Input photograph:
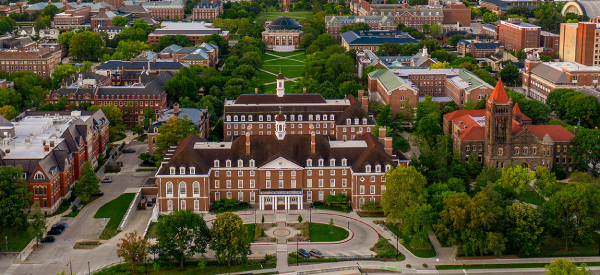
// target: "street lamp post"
[[89, 271], [70, 267], [297, 249], [6, 242], [359, 268]]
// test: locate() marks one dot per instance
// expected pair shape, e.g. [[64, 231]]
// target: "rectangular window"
[[344, 182], [240, 196], [228, 183], [293, 183], [252, 196], [372, 189], [309, 183], [240, 184], [169, 204], [229, 196], [251, 183], [321, 195], [183, 205], [216, 173], [320, 182], [268, 182], [240, 173], [280, 183], [362, 189], [332, 172], [217, 184], [309, 195], [196, 205], [332, 183], [268, 174], [309, 172]]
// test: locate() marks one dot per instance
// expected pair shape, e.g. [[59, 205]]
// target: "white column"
[[274, 203], [260, 203], [300, 206], [287, 202]]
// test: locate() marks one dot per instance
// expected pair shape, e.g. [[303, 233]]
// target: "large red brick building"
[[516, 35], [23, 54], [52, 148], [208, 10]]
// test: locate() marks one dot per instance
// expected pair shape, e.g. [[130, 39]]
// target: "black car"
[[106, 180], [303, 253], [149, 204], [99, 194], [54, 232], [61, 225], [128, 151], [47, 239], [316, 253]]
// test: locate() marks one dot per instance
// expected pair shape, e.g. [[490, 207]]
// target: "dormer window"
[[331, 117], [235, 118], [240, 163], [192, 170], [310, 117], [321, 162], [291, 117], [260, 118], [378, 168], [228, 118], [332, 162], [388, 167], [309, 162], [216, 163], [182, 170], [356, 121], [228, 163], [368, 168], [243, 118], [250, 118], [172, 170], [252, 163], [268, 117], [365, 121], [39, 176], [348, 121], [299, 117], [344, 162]]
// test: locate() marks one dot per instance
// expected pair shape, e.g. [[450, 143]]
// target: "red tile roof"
[[459, 113], [499, 94], [472, 133], [517, 111], [556, 132]]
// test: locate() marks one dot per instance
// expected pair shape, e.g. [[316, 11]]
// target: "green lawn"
[[422, 253], [296, 15], [114, 210], [530, 196], [288, 71], [556, 247], [190, 268], [266, 57], [282, 62], [271, 88], [18, 239], [250, 227], [265, 77], [234, 37], [320, 233], [284, 54], [298, 57]]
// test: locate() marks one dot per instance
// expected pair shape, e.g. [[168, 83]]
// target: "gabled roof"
[[4, 122], [556, 132], [460, 113], [499, 94], [517, 111]]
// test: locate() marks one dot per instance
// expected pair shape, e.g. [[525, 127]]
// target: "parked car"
[[54, 232], [303, 253], [106, 180], [61, 225], [316, 253], [47, 239], [149, 204], [100, 194], [128, 151]]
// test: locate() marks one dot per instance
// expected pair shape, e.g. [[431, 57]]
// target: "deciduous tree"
[[524, 229], [181, 235], [14, 197], [37, 222], [133, 248], [545, 182], [405, 187], [563, 267], [119, 21], [514, 181], [586, 148], [172, 131], [8, 111], [88, 183], [86, 45], [229, 239]]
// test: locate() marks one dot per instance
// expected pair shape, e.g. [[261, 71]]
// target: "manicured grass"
[[287, 71], [142, 138], [266, 57], [250, 227], [283, 54], [114, 210], [422, 253], [18, 239], [504, 266], [320, 233], [234, 37], [265, 77], [555, 247], [296, 15], [530, 196], [191, 268], [298, 57], [151, 230], [282, 62]]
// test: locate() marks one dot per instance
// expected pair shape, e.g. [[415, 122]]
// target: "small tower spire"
[[280, 85]]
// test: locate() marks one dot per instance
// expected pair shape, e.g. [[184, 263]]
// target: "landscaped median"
[[115, 211], [504, 266], [212, 267]]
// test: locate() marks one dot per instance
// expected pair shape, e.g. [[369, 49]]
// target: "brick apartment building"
[[208, 10], [165, 9], [72, 17], [334, 23], [205, 54], [516, 35], [193, 30], [96, 89], [52, 147], [541, 78], [23, 54], [477, 48], [339, 119], [579, 43], [549, 43], [398, 86]]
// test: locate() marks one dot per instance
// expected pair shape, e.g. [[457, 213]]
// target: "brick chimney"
[[364, 100], [46, 148], [176, 108], [382, 133], [52, 143], [313, 144], [388, 145], [248, 141], [304, 90]]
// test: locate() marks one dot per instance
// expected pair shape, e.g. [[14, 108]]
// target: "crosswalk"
[[11, 269], [350, 253]]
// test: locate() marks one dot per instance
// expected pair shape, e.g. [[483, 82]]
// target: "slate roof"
[[132, 9], [208, 5], [479, 45], [274, 99], [127, 65], [4, 122], [284, 23], [377, 37]]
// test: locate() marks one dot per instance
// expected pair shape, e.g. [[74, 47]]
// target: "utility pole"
[[70, 267]]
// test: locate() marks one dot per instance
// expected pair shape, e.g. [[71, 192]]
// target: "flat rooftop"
[[572, 66]]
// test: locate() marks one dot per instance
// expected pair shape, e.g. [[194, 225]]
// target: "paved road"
[[54, 258]]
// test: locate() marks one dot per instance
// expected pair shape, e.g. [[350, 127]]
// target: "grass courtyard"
[[115, 211], [296, 15], [320, 233], [289, 64], [18, 239]]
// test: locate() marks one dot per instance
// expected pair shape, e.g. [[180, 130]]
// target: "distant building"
[[499, 7], [477, 48], [282, 35], [110, 31], [141, 66], [516, 35], [549, 43], [335, 23], [165, 9], [371, 40], [578, 43], [208, 9], [193, 30], [72, 18], [23, 54], [96, 89], [589, 8], [399, 86], [541, 78], [367, 58], [199, 117], [50, 34], [52, 148]]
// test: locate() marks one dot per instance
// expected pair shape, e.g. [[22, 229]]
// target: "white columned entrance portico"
[[285, 197]]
